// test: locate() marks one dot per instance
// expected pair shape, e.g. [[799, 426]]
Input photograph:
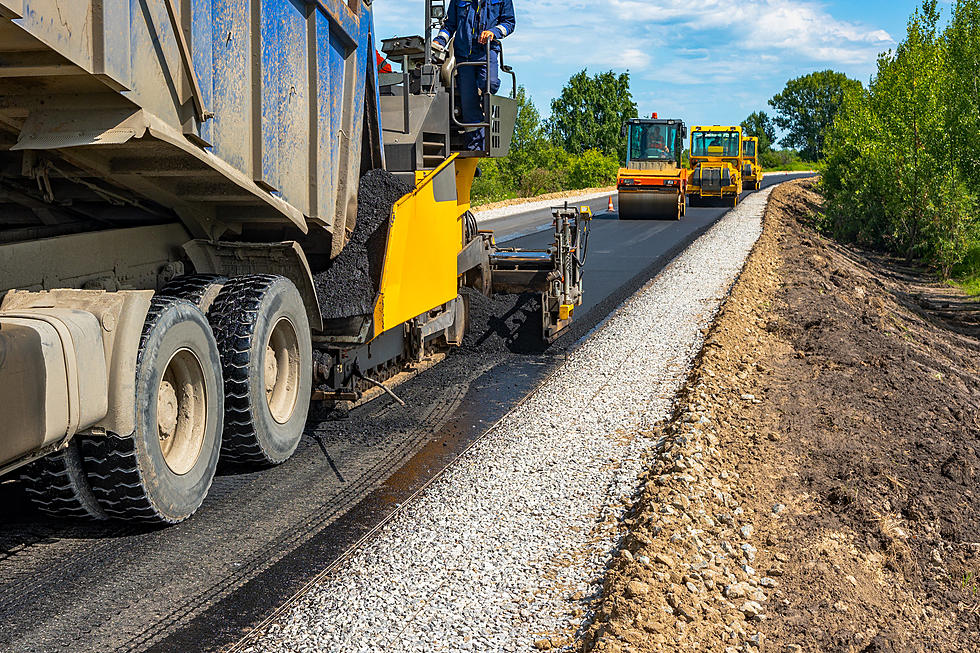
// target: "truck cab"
[[716, 165]]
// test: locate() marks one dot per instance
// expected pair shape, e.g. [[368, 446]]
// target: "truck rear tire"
[[199, 289], [57, 486], [263, 334], [162, 472]]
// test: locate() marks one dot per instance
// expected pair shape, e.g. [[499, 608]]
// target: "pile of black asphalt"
[[349, 285], [503, 324]]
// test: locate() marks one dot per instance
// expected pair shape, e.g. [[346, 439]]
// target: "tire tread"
[[57, 485], [111, 462], [234, 316]]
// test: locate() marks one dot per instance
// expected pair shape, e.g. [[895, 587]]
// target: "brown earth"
[[817, 487]]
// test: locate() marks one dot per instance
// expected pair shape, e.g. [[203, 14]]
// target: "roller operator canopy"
[[651, 141], [715, 143]]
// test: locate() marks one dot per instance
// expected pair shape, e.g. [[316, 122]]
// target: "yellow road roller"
[[751, 170], [716, 166], [653, 185]]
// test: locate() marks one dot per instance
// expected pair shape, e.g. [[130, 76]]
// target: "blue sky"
[[713, 61]]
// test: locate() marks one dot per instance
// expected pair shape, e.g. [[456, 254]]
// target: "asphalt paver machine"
[[178, 182]]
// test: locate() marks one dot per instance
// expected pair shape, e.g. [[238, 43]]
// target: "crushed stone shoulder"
[[506, 550]]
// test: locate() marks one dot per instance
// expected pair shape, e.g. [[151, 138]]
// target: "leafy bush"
[[783, 160], [493, 184], [540, 181], [592, 169]]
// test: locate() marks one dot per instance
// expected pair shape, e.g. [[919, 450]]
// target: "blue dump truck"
[[213, 212]]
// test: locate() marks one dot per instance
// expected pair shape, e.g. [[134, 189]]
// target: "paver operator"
[[475, 23]]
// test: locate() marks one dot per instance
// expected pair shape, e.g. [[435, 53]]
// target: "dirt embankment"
[[817, 488]]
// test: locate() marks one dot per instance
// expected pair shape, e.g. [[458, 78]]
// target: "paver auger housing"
[[182, 236]]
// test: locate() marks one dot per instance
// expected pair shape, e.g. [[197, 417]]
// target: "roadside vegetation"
[[898, 157], [578, 147], [803, 112], [901, 172]]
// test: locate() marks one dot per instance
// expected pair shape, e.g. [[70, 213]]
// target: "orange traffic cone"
[[611, 209]]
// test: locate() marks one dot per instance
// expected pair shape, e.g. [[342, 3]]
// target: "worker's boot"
[[475, 139]]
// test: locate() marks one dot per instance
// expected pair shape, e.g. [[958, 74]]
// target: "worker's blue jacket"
[[467, 19]]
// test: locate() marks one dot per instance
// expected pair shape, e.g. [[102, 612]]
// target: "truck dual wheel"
[[57, 486], [263, 334], [164, 469]]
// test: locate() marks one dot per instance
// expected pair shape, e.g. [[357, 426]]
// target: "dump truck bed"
[[232, 116]]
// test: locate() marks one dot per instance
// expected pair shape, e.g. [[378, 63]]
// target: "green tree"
[[901, 159], [529, 139], [760, 125], [590, 112], [806, 108]]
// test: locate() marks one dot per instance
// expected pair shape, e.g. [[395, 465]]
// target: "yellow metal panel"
[[424, 241], [465, 173]]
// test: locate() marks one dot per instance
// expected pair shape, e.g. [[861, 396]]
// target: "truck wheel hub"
[[167, 410], [282, 371], [182, 411]]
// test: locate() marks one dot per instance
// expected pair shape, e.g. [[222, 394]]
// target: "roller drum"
[[647, 206]]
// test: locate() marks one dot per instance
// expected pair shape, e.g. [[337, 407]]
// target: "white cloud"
[[637, 33], [679, 54], [800, 27]]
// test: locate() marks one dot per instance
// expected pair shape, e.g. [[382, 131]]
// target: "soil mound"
[[817, 488]]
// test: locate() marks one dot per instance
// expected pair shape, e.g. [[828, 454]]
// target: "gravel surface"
[[507, 549]]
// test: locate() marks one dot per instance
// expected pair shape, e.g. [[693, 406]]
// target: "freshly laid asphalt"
[[262, 535]]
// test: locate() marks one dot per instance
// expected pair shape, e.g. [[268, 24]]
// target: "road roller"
[[653, 185], [716, 166], [751, 170]]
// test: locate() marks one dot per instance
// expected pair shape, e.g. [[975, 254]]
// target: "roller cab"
[[653, 184], [716, 166]]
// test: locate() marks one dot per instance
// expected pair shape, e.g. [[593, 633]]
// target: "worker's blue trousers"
[[473, 80]]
